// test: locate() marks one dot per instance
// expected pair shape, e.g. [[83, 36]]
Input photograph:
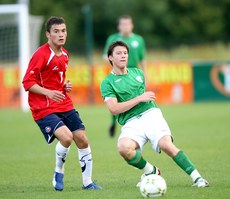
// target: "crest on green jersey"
[[139, 79]]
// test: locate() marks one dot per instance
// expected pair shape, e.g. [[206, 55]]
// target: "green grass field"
[[202, 130]]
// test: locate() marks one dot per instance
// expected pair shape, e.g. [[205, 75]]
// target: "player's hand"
[[56, 96], [147, 96], [68, 86]]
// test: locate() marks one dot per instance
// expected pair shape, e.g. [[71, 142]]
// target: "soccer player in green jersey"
[[123, 91], [137, 50]]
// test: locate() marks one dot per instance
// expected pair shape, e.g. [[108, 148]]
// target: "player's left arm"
[[116, 107]]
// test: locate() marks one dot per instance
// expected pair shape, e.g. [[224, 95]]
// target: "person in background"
[[136, 55]]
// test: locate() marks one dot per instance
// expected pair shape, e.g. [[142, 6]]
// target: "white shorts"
[[150, 126]]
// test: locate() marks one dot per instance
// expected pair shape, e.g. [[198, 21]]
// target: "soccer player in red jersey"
[[51, 105]]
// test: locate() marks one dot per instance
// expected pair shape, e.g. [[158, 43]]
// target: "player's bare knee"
[[80, 139], [125, 151], [83, 144], [64, 136], [121, 150], [68, 138], [126, 148]]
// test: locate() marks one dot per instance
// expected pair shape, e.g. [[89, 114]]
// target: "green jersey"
[[124, 88], [136, 48]]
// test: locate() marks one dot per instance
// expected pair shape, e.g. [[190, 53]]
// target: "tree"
[[162, 23]]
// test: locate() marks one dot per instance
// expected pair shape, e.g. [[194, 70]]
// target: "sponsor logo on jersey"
[[139, 79], [55, 68], [134, 44], [118, 80]]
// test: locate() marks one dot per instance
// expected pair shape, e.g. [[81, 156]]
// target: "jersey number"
[[61, 76]]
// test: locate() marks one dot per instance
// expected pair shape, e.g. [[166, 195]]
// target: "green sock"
[[184, 162], [137, 161]]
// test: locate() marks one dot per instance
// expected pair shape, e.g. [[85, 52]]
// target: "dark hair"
[[115, 44], [53, 20], [124, 17]]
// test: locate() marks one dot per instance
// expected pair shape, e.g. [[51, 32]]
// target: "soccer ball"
[[153, 186]]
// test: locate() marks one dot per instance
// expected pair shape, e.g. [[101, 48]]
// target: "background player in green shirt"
[[124, 93], [137, 50]]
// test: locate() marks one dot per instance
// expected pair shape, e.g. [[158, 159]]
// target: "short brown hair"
[[124, 17], [115, 44], [53, 20]]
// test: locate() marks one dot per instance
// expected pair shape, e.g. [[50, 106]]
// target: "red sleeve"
[[32, 76]]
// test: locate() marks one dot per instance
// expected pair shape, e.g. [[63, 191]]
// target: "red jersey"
[[47, 70]]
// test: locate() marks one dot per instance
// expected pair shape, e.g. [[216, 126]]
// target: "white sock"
[[148, 168], [86, 163], [194, 175], [61, 153]]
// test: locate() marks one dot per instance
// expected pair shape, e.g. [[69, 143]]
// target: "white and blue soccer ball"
[[153, 186]]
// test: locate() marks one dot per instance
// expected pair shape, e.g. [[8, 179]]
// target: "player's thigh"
[[73, 121], [157, 127], [80, 138], [64, 135], [48, 125], [132, 135], [166, 144], [126, 142]]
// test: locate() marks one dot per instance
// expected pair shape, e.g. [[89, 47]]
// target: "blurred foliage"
[[163, 23]]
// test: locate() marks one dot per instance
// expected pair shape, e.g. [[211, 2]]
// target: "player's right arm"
[[32, 80], [57, 96], [116, 107]]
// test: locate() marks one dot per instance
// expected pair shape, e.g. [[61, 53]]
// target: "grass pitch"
[[202, 130]]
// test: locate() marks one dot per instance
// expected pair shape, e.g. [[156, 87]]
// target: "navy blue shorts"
[[50, 123]]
